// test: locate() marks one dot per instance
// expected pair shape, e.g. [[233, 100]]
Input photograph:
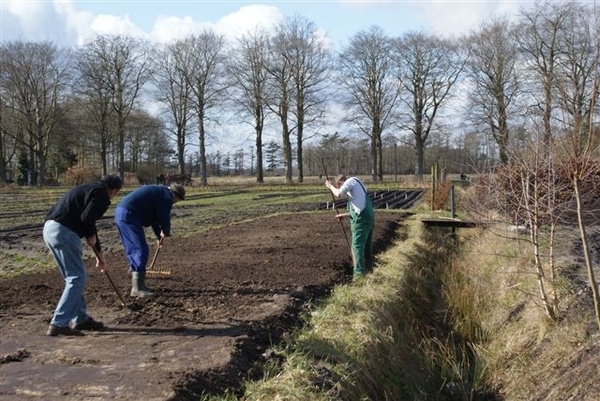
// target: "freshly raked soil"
[[231, 294]]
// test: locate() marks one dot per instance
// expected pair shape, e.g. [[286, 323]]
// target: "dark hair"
[[112, 182]]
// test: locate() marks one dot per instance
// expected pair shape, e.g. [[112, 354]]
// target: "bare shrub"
[[439, 200], [77, 175], [132, 179]]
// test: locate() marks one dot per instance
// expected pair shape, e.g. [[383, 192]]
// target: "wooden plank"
[[449, 222]]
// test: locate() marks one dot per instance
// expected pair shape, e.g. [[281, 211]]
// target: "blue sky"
[[70, 22]]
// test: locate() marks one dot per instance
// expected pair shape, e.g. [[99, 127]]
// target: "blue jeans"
[[67, 250]]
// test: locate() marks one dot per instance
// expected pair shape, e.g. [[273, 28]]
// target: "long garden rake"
[[161, 272]]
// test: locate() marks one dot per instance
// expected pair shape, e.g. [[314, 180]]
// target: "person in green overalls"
[[362, 220]]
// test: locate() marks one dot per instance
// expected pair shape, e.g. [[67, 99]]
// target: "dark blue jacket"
[[80, 207], [152, 204]]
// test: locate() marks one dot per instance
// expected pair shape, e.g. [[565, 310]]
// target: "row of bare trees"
[[485, 92], [288, 78]]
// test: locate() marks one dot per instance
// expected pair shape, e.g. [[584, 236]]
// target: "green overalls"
[[362, 226]]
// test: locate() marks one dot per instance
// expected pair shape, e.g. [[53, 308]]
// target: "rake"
[[160, 272], [336, 212], [112, 283]]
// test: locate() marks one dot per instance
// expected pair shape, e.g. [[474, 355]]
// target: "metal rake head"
[[158, 273]]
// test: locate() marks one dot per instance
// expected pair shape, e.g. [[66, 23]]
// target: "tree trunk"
[[586, 253], [299, 155], [202, 150], [287, 151], [259, 155], [121, 144], [420, 158]]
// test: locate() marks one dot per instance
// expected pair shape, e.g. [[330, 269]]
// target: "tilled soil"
[[230, 295]]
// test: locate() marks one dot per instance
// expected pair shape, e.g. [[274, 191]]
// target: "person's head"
[[339, 180], [178, 192], [113, 184]]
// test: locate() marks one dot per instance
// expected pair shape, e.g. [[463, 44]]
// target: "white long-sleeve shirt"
[[356, 191]]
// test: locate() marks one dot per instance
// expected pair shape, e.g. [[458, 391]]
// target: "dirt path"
[[232, 292]]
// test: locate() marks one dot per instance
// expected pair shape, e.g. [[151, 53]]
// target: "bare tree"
[[539, 37], [552, 157], [35, 77], [238, 161], [174, 91], [281, 91], [8, 143], [365, 70], [95, 95], [127, 65], [143, 133], [428, 68], [530, 189], [576, 73], [71, 141], [310, 68], [3, 120], [208, 85], [491, 69], [247, 69], [334, 149]]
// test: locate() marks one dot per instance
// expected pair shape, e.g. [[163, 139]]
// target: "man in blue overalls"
[[147, 206]]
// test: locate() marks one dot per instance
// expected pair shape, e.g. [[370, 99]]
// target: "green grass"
[[203, 210], [20, 264]]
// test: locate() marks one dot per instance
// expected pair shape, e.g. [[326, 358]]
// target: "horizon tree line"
[[465, 102]]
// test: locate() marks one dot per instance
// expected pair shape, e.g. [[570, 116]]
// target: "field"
[[245, 264]]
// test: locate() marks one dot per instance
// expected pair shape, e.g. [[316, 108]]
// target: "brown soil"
[[231, 294]]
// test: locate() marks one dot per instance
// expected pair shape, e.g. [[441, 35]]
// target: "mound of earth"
[[231, 293]]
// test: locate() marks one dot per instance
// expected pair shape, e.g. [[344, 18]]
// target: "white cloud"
[[77, 23], [80, 26], [448, 17], [26, 12], [111, 24], [23, 20], [247, 19], [167, 29]]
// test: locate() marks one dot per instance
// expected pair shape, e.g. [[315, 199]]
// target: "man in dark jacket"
[[74, 217], [147, 206]]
